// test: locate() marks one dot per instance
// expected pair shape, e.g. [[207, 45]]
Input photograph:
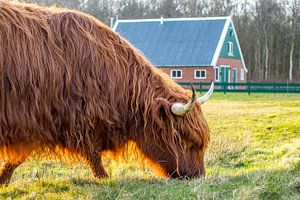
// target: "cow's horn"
[[203, 99], [181, 109]]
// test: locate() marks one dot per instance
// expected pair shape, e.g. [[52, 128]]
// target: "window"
[[231, 33], [176, 73], [242, 75], [230, 48], [200, 74], [217, 74]]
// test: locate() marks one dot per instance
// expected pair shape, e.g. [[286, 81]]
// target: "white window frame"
[[237, 75], [230, 48], [242, 74], [171, 74], [217, 80], [195, 73]]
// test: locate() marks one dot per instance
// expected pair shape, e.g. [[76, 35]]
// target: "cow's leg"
[[17, 155], [7, 171], [94, 161]]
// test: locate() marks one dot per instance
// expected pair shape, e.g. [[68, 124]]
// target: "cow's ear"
[[161, 111], [161, 105], [160, 101]]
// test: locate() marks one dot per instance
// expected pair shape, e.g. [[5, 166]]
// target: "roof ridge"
[[175, 19]]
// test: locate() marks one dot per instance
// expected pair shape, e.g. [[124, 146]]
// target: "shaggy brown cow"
[[70, 86]]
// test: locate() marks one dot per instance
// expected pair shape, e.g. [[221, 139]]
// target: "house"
[[189, 49]]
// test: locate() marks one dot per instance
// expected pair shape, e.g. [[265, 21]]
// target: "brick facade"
[[234, 63], [188, 73]]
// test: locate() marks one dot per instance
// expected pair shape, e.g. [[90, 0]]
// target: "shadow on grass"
[[84, 182], [11, 193], [259, 184]]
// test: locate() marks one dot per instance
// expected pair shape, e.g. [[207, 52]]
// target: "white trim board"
[[215, 68], [165, 20], [172, 19], [237, 74], [225, 66], [221, 42], [238, 43], [115, 26]]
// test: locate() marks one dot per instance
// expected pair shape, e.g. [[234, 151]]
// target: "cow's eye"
[[196, 146]]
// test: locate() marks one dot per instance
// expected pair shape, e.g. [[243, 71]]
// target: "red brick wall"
[[188, 74], [233, 63]]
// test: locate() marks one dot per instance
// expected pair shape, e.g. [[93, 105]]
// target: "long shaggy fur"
[[70, 84]]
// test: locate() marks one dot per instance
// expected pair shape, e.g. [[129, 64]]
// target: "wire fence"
[[250, 87]]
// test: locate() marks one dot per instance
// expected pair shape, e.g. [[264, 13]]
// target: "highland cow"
[[71, 87]]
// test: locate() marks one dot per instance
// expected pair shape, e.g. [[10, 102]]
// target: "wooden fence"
[[249, 87]]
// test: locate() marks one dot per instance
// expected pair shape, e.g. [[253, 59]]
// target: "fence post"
[[249, 88], [200, 87], [287, 87]]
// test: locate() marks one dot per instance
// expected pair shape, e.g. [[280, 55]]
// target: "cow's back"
[[57, 73]]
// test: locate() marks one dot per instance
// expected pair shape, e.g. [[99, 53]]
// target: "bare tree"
[[75, 4], [294, 10], [268, 30], [102, 9]]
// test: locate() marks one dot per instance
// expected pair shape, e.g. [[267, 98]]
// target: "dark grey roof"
[[175, 42]]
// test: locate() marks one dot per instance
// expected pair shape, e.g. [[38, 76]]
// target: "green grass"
[[254, 154]]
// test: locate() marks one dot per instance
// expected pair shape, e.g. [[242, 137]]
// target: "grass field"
[[254, 154]]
